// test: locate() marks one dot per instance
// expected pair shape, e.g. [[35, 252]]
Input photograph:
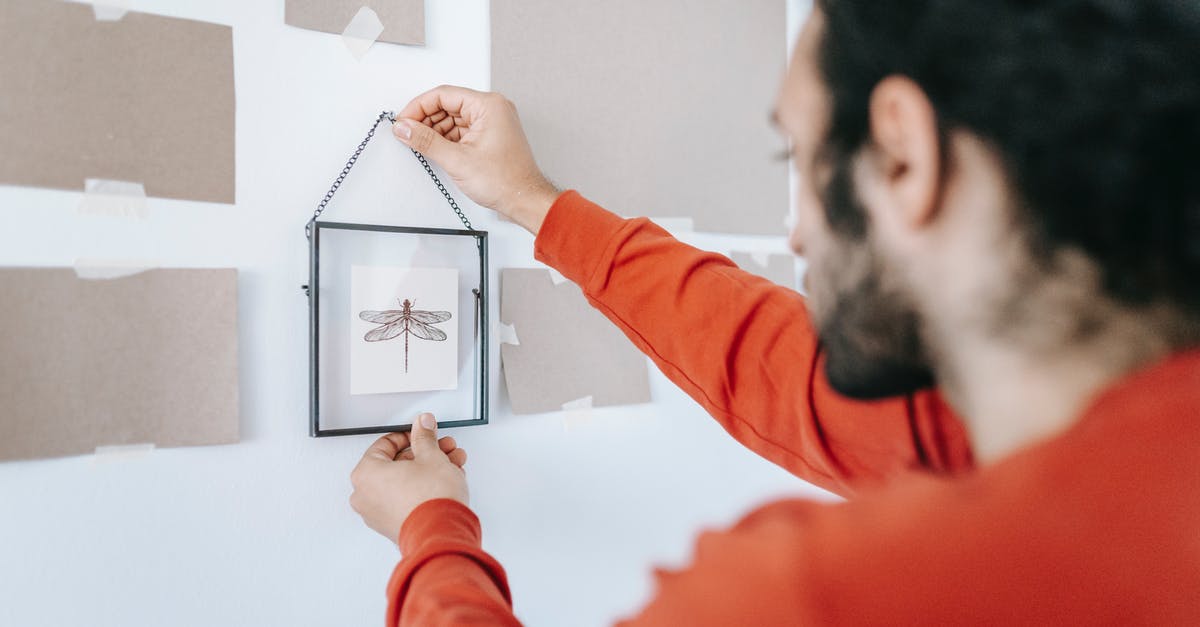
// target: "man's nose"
[[795, 241]]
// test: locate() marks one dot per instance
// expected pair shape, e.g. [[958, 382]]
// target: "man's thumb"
[[424, 435], [424, 140]]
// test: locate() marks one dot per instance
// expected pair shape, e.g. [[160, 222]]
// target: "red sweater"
[[1098, 525]]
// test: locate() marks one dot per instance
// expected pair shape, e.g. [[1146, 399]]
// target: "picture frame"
[[338, 254]]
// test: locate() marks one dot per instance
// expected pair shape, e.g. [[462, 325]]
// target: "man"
[[1000, 198]]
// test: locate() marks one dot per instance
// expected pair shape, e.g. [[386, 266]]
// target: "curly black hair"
[[1093, 106]]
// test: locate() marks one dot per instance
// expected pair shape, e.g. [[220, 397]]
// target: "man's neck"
[[1012, 396]]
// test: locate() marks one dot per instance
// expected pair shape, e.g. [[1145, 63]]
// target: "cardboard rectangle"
[[781, 269], [567, 349], [656, 107], [403, 20], [146, 99], [147, 358]]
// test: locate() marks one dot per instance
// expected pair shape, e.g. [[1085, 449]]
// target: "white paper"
[[406, 362]]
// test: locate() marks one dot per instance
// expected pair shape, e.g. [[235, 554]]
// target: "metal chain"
[[442, 189], [384, 115]]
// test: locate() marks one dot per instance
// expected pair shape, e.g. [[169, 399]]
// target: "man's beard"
[[871, 334]]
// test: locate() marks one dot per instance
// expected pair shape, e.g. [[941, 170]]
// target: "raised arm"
[[741, 346], [735, 342], [445, 577]]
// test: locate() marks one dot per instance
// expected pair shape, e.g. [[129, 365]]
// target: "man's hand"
[[402, 470], [477, 138]]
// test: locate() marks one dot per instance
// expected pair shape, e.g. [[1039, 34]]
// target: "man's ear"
[[904, 133]]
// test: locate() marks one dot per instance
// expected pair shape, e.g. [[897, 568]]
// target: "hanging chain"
[[384, 115], [442, 189]]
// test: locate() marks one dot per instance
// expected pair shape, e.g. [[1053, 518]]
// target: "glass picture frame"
[[398, 325]]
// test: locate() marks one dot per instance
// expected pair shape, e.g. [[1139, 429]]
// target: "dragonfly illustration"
[[405, 321]]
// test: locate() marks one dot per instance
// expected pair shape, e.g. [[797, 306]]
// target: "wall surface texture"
[[260, 533]]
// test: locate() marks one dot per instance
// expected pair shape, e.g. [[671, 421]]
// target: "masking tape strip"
[[362, 31], [556, 277], [113, 198], [507, 334], [676, 225], [577, 413], [101, 269], [789, 221], [762, 258], [110, 10], [121, 452]]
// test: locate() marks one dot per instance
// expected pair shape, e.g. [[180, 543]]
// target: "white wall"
[[260, 533]]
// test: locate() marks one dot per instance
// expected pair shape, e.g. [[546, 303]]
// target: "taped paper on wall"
[[146, 98], [556, 277], [362, 31], [507, 334], [675, 225], [103, 269], [577, 413], [568, 350], [121, 453], [113, 198], [402, 21], [779, 268], [696, 160], [789, 221], [110, 10], [148, 358]]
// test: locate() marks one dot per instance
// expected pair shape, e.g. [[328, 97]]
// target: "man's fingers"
[[458, 457], [446, 444], [457, 101], [447, 124], [424, 435], [427, 141], [388, 446]]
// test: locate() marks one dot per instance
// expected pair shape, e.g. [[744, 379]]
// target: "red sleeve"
[[445, 577], [1025, 542], [743, 348], [1021, 542]]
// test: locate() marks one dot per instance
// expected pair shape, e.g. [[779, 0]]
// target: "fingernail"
[[428, 421], [401, 130]]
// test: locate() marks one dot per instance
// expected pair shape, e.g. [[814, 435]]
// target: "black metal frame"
[[481, 328]]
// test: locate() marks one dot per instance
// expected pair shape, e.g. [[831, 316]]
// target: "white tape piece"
[[676, 225], [578, 404], [556, 277], [577, 413], [110, 10], [102, 269], [113, 198], [362, 31], [507, 334], [121, 452], [789, 221]]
